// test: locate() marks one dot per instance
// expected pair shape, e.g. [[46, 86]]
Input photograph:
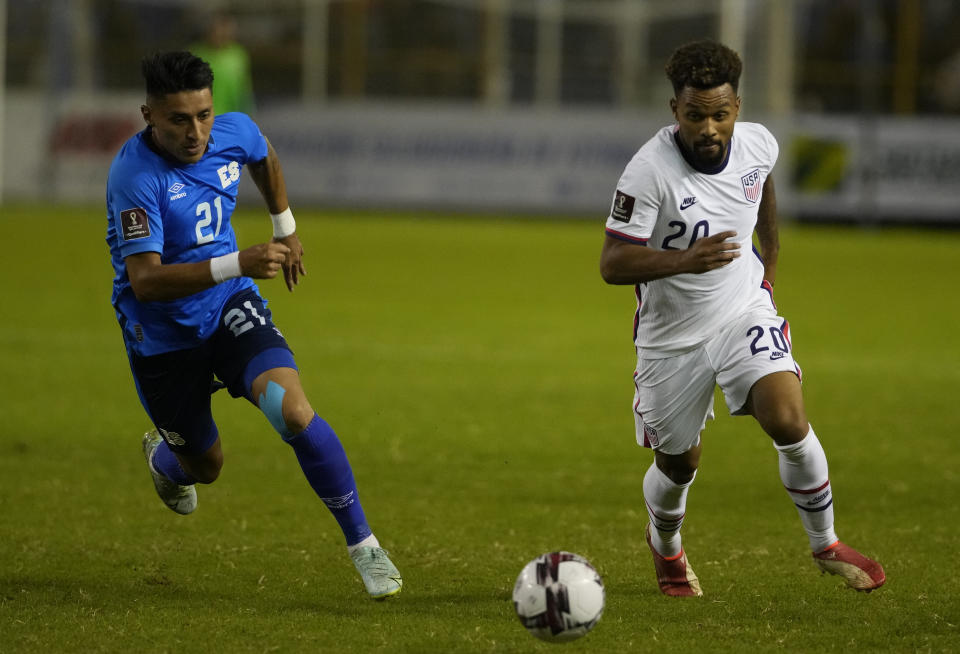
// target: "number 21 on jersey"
[[206, 219]]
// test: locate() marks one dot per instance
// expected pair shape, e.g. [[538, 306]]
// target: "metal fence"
[[878, 69], [899, 56]]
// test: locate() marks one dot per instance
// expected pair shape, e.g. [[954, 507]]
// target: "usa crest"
[[751, 185]]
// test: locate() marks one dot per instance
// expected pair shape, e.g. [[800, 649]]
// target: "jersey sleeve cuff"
[[625, 237], [138, 248]]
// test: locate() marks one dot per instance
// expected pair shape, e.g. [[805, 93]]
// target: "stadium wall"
[[468, 158]]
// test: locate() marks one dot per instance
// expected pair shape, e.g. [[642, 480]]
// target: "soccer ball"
[[558, 596]]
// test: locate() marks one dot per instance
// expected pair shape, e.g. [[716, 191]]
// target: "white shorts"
[[674, 396]]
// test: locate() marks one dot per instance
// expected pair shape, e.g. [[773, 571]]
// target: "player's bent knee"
[[680, 476], [681, 469], [288, 420], [787, 427], [297, 416]]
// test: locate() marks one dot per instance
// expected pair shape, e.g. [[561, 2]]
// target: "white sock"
[[369, 541], [803, 471], [666, 506]]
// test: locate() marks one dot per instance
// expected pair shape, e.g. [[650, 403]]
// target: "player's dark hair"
[[703, 65], [172, 72]]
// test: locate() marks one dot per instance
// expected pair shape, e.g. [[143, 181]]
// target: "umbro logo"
[[688, 202], [172, 437], [177, 190]]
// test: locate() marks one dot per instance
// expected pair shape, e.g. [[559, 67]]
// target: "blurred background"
[[497, 105]]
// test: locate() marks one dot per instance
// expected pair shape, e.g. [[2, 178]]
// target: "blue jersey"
[[182, 211]]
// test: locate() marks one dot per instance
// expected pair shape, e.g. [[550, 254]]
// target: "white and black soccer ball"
[[559, 596]]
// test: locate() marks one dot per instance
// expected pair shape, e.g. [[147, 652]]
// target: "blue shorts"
[[175, 387]]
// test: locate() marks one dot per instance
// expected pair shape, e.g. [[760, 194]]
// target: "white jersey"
[[663, 202]]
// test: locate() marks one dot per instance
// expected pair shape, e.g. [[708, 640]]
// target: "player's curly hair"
[[703, 64], [172, 72]]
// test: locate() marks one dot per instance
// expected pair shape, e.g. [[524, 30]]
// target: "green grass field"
[[478, 372]]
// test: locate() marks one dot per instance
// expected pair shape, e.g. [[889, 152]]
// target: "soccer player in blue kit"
[[192, 317]]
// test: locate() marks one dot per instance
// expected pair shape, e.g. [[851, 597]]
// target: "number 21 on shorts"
[[236, 319]]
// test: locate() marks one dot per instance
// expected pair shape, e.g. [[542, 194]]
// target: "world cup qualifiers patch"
[[134, 224], [623, 206]]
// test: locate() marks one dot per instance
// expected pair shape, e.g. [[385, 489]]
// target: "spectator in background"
[[233, 84]]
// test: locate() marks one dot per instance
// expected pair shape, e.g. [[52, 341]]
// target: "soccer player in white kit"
[[680, 230]]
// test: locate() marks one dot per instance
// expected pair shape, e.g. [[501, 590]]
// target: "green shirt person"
[[233, 84]]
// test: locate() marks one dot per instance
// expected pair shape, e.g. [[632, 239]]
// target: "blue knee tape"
[[271, 403]]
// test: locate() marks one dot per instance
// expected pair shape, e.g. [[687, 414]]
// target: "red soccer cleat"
[[858, 571], [674, 575]]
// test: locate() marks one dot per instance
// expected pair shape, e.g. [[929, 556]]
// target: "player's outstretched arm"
[[268, 176], [622, 262], [768, 235], [154, 281]]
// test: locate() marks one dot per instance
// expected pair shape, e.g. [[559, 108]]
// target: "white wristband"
[[225, 267], [283, 223]]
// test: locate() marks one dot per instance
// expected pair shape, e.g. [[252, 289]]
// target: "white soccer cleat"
[[380, 576], [180, 499]]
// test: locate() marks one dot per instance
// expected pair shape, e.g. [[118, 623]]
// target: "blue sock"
[[326, 467], [165, 462]]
